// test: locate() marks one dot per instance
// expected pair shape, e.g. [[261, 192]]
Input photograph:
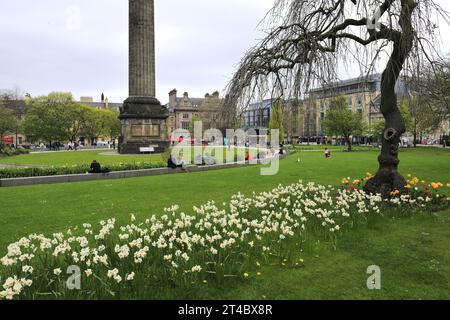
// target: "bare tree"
[[433, 87], [307, 41]]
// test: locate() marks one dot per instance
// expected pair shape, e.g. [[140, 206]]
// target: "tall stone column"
[[142, 116], [142, 48]]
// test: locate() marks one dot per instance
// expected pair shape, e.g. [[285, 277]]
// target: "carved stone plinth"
[[142, 116], [143, 122]]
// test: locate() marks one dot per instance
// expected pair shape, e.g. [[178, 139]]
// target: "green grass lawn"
[[69, 158], [413, 253], [76, 158]]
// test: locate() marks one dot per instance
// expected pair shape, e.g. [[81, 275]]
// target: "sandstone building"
[[304, 118], [182, 110]]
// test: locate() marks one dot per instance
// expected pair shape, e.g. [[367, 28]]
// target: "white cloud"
[[47, 47], [73, 18]]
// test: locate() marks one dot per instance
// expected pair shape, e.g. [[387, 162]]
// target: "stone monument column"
[[142, 49], [142, 116]]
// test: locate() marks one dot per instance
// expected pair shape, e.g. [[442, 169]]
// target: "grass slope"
[[413, 253], [75, 158]]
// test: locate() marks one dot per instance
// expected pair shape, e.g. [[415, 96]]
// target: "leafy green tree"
[[8, 122], [94, 124], [48, 118], [192, 124], [378, 128], [434, 88], [77, 114], [340, 121], [112, 126], [420, 116], [277, 120]]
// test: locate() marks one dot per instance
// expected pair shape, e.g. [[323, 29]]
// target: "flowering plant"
[[8, 173], [420, 195], [211, 245]]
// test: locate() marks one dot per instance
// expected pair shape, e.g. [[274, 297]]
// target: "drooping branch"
[[314, 35], [308, 39]]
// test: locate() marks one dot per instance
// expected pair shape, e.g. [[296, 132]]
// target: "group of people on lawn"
[[175, 162]]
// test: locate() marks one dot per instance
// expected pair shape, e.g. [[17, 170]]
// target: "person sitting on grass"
[[175, 162], [171, 164], [327, 153], [95, 167], [209, 160]]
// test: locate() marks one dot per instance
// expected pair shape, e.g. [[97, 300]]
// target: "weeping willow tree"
[[307, 42]]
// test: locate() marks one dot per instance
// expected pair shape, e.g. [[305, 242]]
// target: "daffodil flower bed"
[[9, 173], [206, 247]]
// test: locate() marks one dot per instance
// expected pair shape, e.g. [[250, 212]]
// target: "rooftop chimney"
[[173, 98]]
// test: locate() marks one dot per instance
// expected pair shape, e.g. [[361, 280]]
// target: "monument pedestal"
[[143, 122]]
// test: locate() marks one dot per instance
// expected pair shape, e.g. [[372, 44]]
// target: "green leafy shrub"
[[6, 151], [9, 173]]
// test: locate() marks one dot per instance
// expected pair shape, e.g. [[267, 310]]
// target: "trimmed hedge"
[[9, 173]]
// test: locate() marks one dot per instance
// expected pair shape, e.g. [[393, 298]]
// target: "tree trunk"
[[388, 179], [415, 133], [350, 143]]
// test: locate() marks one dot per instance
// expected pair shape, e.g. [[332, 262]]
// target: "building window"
[[185, 125], [186, 116], [266, 117], [359, 104], [252, 118]]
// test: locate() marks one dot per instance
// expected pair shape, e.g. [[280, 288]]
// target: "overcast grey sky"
[[81, 46]]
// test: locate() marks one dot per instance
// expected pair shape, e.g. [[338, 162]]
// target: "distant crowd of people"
[[71, 146]]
